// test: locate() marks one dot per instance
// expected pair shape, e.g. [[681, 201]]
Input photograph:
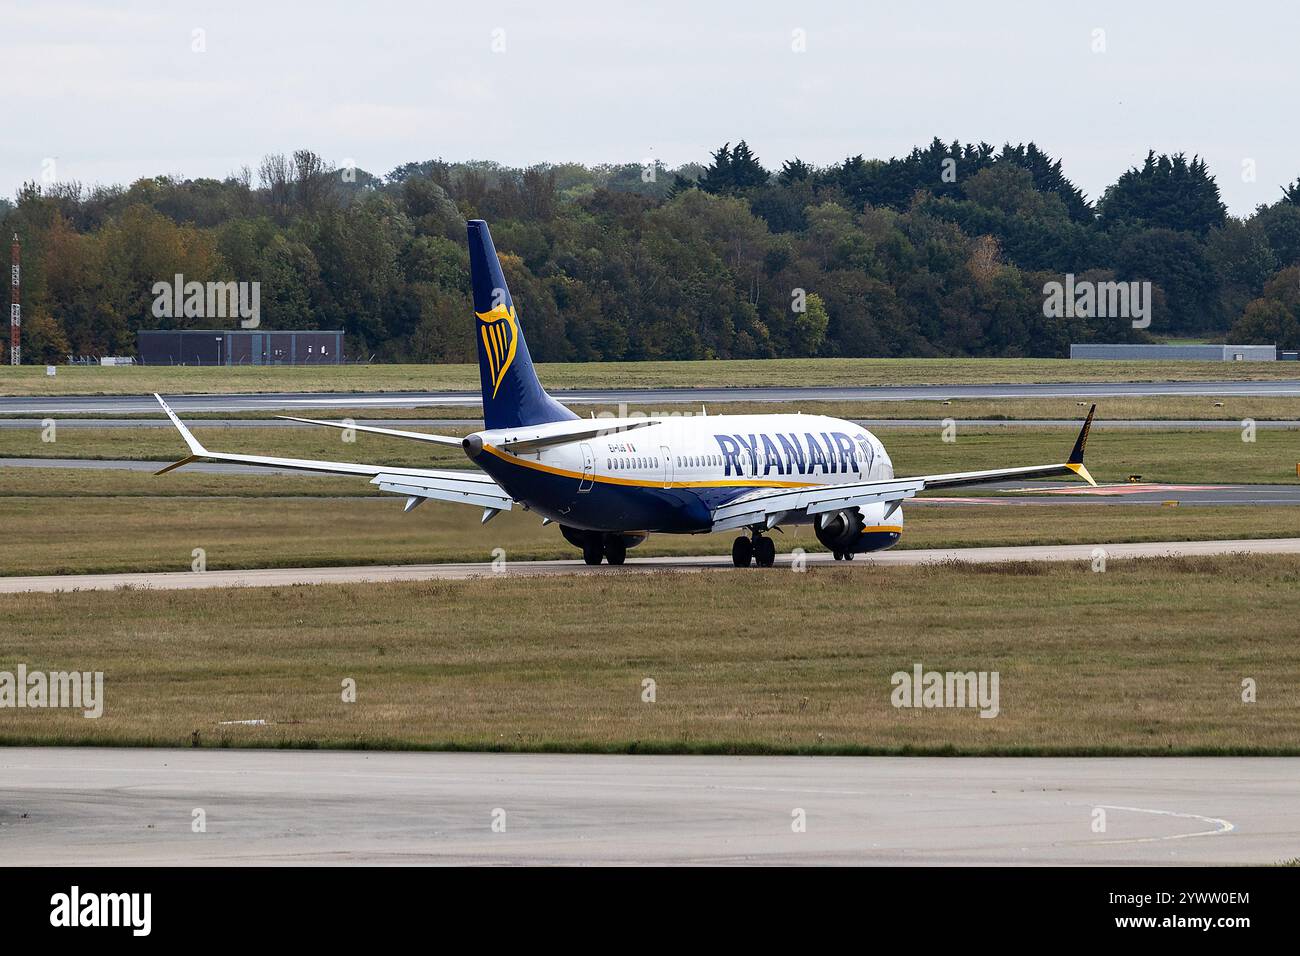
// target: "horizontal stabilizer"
[[374, 430], [563, 433]]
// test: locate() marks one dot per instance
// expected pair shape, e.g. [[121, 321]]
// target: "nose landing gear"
[[760, 549]]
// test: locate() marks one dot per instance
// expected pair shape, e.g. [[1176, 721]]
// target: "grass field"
[[45, 535], [107, 484], [1146, 658], [96, 380], [1165, 455], [1157, 407]]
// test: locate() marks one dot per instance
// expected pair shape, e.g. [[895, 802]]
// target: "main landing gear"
[[759, 549]]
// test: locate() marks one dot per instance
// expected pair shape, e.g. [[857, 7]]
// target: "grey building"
[[238, 347], [1184, 353]]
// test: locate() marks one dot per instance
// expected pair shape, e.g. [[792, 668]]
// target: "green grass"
[[96, 380], [103, 483], [165, 444], [1146, 658], [1156, 407], [1193, 457]]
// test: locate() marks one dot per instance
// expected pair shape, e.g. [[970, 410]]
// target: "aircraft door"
[[588, 469], [667, 456]]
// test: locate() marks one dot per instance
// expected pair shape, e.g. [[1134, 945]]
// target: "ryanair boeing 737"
[[609, 483]]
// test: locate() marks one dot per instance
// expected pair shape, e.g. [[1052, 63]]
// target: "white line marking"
[[1221, 826]]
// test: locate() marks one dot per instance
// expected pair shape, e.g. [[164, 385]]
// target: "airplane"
[[611, 482]]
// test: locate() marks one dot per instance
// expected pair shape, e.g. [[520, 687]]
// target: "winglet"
[[189, 459], [197, 450], [1075, 462]]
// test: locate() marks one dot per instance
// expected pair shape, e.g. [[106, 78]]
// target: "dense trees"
[[943, 251]]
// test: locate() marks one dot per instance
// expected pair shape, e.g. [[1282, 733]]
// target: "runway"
[[117, 806], [276, 401], [285, 577]]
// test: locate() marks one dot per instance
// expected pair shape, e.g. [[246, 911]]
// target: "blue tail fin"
[[512, 396]]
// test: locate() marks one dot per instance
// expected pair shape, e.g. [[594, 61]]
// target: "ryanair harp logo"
[[500, 333]]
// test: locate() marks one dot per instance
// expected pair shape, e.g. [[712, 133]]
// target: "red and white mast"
[[15, 308]]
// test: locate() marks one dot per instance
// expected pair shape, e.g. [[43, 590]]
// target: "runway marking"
[[1222, 826]]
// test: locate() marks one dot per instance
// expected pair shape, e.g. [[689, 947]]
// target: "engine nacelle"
[[872, 527], [838, 530]]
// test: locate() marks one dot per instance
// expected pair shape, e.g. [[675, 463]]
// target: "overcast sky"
[[106, 93]]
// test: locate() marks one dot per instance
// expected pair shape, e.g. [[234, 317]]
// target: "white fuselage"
[[711, 458]]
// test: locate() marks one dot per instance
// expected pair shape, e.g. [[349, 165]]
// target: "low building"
[[238, 347], [1176, 353]]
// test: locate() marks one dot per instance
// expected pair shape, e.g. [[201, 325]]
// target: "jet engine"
[[850, 531], [838, 530]]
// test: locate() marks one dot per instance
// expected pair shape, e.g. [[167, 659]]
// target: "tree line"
[[942, 252]]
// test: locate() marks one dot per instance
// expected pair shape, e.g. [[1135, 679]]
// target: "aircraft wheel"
[[849, 555], [764, 552], [615, 550], [742, 552], [839, 555], [592, 552]]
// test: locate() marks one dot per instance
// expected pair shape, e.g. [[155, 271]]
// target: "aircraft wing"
[[465, 487], [770, 508]]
